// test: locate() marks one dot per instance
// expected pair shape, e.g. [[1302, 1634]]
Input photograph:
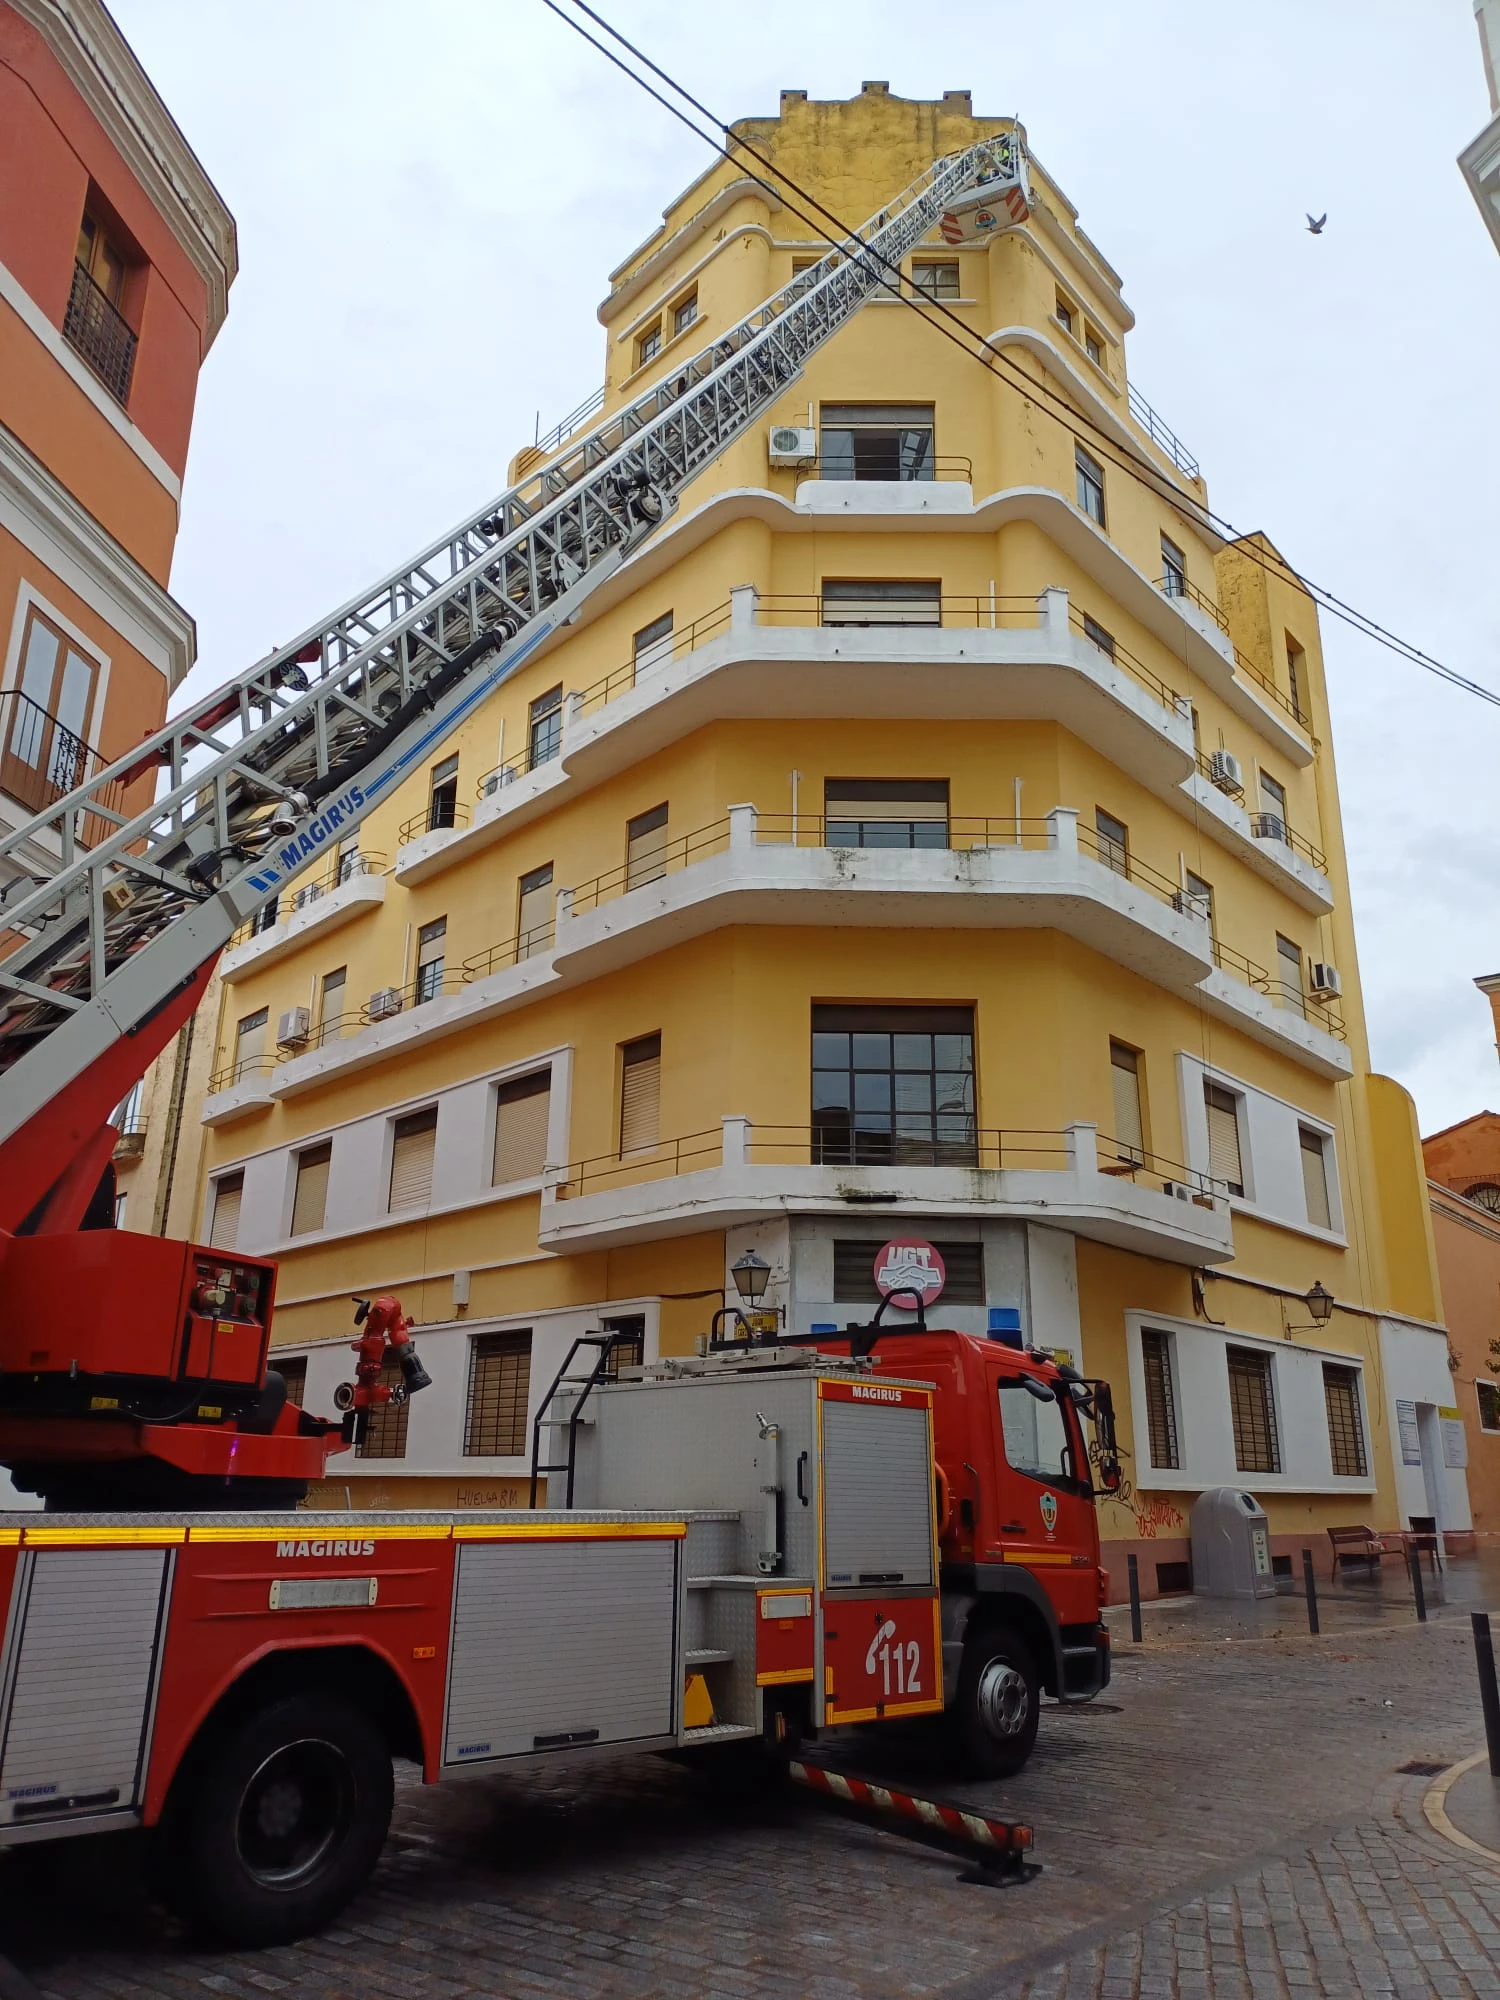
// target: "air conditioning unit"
[[308, 894], [294, 1027], [384, 1002], [1324, 982], [1224, 769], [1189, 905], [1176, 1187], [792, 447], [1270, 826]]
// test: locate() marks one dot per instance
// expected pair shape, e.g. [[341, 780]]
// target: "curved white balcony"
[[1280, 857], [753, 869], [315, 907], [741, 1170]]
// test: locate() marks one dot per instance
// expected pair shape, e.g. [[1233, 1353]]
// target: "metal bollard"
[[1310, 1591], [1135, 1598], [1418, 1590], [1489, 1693]]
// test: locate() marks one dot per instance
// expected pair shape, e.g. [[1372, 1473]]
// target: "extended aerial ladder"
[[110, 951]]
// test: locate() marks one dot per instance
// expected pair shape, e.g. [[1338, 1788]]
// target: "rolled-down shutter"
[[640, 1095], [224, 1230], [310, 1202], [877, 1495], [413, 1148], [521, 1111], [1224, 1137]]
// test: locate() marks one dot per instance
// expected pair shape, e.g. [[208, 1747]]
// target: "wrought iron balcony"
[[41, 762], [97, 330]]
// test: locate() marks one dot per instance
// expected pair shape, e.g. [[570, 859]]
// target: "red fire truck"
[[183, 1651]]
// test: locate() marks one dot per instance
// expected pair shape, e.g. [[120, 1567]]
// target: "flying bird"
[[1315, 228]]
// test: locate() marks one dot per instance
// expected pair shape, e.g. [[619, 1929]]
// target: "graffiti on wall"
[[1152, 1514]]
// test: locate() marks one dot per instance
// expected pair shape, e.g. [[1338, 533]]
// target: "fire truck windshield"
[[1040, 1433]]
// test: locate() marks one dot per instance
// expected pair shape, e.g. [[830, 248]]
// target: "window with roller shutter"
[[1224, 1160], [1313, 1147], [413, 1149], [310, 1200], [646, 847], [521, 1111], [534, 905], [640, 1095], [1130, 1126], [224, 1229]]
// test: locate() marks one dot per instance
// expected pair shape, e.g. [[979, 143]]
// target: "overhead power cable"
[[991, 357]]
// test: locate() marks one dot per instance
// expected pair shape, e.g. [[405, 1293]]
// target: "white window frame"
[[29, 599], [1201, 1381], [1268, 1127]]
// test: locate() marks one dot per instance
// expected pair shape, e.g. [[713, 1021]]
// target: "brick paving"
[[1230, 1823]]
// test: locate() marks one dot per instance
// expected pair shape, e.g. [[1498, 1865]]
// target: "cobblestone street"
[[1232, 1822]]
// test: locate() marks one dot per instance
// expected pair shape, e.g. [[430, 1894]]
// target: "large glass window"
[[893, 1084], [544, 728], [47, 717], [432, 956], [876, 441], [1035, 1433], [1090, 484], [885, 812]]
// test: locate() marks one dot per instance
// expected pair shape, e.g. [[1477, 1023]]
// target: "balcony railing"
[[500, 957], [953, 467], [532, 758], [574, 420], [341, 868], [442, 816], [1271, 826], [671, 856], [1175, 586], [99, 332], [41, 762], [988, 1149], [241, 1070], [1161, 435]]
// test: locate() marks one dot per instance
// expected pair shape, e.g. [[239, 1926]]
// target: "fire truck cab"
[[1023, 1589]]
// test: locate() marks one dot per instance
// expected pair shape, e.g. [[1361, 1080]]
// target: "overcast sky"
[[429, 199]]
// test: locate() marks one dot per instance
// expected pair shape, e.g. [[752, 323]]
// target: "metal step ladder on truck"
[[175, 1654]]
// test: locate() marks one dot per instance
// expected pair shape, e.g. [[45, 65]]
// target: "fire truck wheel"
[[285, 1822], [998, 1701]]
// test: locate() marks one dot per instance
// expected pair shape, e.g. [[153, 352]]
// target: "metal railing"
[[951, 466], [978, 611], [1152, 682], [389, 1001], [95, 328], [445, 816], [658, 1162], [638, 873], [574, 420], [242, 1067], [1121, 1159], [982, 1148], [992, 1150], [341, 869], [519, 766], [1161, 435], [525, 944], [672, 646], [1271, 826], [41, 762], [1173, 585], [954, 834], [1126, 863]]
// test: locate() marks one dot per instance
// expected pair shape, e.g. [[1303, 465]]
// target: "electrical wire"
[[979, 348]]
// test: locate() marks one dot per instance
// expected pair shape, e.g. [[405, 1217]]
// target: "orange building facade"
[[116, 258]]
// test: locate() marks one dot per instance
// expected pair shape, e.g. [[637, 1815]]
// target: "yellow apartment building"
[[931, 832]]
